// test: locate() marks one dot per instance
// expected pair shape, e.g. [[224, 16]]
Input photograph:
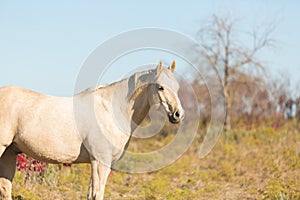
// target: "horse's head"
[[164, 92]]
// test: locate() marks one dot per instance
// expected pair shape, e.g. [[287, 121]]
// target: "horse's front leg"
[[99, 175]]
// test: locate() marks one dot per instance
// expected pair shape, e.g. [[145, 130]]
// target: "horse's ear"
[[159, 67], [172, 66]]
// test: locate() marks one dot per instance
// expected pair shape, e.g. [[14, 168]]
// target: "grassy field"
[[256, 163]]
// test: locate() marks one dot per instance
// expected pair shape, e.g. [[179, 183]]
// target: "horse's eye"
[[160, 88]]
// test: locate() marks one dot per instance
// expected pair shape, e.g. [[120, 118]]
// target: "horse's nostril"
[[175, 117], [177, 114]]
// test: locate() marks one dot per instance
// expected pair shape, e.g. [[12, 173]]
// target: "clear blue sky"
[[44, 43]]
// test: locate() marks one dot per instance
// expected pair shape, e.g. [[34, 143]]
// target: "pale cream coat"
[[90, 127]]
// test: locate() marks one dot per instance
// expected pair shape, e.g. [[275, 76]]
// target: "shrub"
[[34, 169]]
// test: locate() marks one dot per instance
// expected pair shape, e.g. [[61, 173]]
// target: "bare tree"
[[220, 45], [279, 90], [250, 96]]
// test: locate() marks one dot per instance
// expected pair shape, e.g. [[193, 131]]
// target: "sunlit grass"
[[257, 163]]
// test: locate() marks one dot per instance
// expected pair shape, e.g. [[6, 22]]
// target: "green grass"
[[260, 163]]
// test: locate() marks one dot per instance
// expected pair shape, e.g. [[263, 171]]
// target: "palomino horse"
[[47, 128]]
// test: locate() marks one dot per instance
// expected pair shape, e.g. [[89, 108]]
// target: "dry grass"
[[260, 163]]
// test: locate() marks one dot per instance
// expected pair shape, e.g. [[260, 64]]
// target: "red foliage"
[[30, 165], [21, 163], [25, 163], [67, 165], [33, 169]]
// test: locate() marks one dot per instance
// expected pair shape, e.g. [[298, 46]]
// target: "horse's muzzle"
[[175, 117]]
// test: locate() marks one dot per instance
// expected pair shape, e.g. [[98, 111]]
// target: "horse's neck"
[[139, 107], [130, 101]]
